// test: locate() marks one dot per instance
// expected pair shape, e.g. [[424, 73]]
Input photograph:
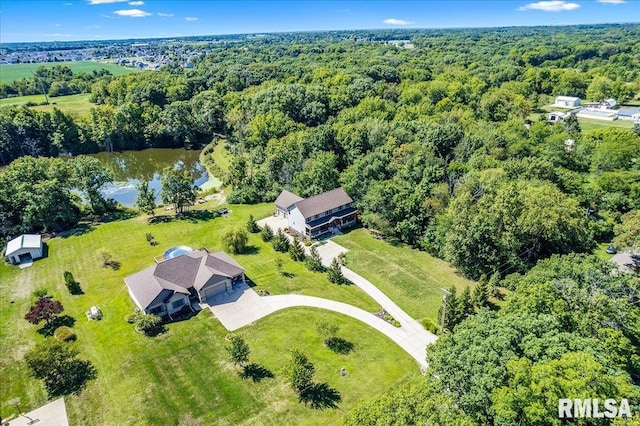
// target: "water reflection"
[[131, 167]]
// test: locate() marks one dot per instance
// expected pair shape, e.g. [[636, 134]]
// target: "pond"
[[131, 167]]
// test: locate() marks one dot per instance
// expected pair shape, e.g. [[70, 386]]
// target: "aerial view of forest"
[[444, 141]]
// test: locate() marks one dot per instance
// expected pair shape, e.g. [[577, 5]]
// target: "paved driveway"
[[52, 414], [274, 222], [244, 306]]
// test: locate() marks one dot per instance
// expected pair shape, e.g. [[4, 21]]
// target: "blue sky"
[[114, 19]]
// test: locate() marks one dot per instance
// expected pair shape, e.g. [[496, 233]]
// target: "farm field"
[[411, 278], [12, 72], [144, 380], [74, 105]]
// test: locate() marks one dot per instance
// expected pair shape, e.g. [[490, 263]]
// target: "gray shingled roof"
[[322, 202], [223, 264], [286, 199], [194, 269], [628, 111]]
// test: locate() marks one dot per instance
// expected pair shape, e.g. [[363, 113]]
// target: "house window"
[[177, 304], [157, 309]]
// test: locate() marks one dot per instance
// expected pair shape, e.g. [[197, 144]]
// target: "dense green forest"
[[428, 140], [434, 143]]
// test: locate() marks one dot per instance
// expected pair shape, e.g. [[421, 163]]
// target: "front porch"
[[331, 224]]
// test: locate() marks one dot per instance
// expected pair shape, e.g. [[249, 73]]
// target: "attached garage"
[[25, 248], [285, 201], [214, 290]]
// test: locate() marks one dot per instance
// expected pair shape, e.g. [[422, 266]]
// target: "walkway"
[[52, 414], [244, 306]]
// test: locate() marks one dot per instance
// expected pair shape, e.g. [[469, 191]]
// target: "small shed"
[[25, 248], [556, 116]]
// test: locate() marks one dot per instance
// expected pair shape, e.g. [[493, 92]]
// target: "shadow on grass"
[[320, 396], [288, 274], [251, 250], [66, 320], [113, 264], [155, 331], [85, 228], [118, 214], [193, 216], [255, 372], [339, 345]]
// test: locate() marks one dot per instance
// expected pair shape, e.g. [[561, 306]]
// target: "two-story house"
[[317, 215]]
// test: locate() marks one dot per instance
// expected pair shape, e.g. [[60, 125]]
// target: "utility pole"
[[46, 98], [16, 403], [444, 308]]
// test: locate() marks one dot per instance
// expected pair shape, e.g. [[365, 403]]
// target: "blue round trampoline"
[[176, 251]]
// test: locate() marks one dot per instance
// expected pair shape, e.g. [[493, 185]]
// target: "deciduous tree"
[[45, 309], [57, 365]]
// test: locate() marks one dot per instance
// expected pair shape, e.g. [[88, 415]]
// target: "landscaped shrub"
[[335, 273], [266, 233], [314, 261], [252, 226], [428, 324], [72, 285], [147, 323], [296, 251], [40, 293], [64, 334], [280, 242]]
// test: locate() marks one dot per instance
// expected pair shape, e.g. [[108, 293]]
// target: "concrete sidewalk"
[[52, 414]]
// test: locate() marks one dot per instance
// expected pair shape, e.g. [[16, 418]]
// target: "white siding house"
[[320, 214], [24, 248], [567, 101]]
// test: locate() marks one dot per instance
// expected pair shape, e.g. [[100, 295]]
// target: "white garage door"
[[214, 290]]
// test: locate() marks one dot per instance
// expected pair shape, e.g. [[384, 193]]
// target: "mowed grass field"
[[143, 380], [74, 105], [12, 72], [411, 278]]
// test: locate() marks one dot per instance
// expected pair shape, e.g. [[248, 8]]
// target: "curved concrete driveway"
[[243, 307]]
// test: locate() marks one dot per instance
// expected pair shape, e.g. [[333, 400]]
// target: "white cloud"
[[58, 25], [106, 1], [136, 3], [612, 1], [190, 19], [58, 35], [132, 13], [551, 6], [165, 15], [393, 21]]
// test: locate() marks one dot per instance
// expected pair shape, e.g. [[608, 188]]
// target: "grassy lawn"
[[411, 278], [12, 72], [154, 380], [587, 124], [601, 251], [74, 105]]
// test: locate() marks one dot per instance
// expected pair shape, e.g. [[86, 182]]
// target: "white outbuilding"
[[25, 248]]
